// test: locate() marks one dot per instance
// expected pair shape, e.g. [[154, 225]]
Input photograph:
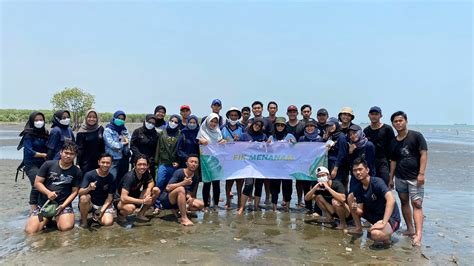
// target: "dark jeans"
[[382, 169], [31, 171], [206, 192], [249, 184], [286, 187]]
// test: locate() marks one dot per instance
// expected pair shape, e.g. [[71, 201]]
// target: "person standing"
[[381, 135], [409, 157], [60, 133], [296, 128], [306, 112], [216, 107], [144, 141], [33, 141], [90, 142], [245, 117], [346, 115], [160, 115], [116, 140], [337, 145], [185, 112], [322, 117]]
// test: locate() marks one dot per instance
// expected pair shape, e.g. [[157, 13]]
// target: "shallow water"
[[256, 238]]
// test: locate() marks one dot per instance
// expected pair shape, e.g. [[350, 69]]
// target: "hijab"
[[112, 124], [313, 136], [85, 127], [173, 131], [280, 135], [190, 133], [159, 122], [362, 140], [31, 130], [251, 131], [205, 132], [58, 116]]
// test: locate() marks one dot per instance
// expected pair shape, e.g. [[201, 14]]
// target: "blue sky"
[[414, 56]]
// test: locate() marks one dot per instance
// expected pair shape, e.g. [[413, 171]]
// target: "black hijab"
[[58, 115], [31, 130]]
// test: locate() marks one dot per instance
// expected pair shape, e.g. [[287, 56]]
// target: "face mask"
[[173, 125], [119, 122], [149, 126], [39, 124], [192, 126], [65, 121], [232, 122], [323, 179]]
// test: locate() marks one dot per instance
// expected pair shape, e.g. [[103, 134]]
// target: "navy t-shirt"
[[407, 155], [382, 139], [178, 176], [133, 184], [104, 186], [58, 180], [374, 200]]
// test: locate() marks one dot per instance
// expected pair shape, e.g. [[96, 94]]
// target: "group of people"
[[164, 155]]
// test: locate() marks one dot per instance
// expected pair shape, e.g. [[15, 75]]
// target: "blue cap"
[[332, 121], [375, 109], [216, 102]]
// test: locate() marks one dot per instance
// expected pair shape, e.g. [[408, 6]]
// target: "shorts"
[[165, 202], [395, 224], [95, 208], [410, 186], [66, 210]]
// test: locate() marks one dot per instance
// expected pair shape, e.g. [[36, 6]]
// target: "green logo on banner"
[[311, 175], [211, 168]]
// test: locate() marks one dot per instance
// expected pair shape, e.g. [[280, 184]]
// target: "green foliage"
[[76, 101]]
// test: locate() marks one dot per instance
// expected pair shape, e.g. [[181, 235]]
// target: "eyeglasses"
[[280, 125]]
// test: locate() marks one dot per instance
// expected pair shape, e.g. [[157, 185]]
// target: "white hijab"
[[211, 135]]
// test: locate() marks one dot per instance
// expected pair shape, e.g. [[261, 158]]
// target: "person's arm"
[[370, 158], [310, 195], [390, 204], [185, 182], [29, 151], [53, 139], [157, 151], [110, 142], [68, 200], [84, 191], [125, 198], [393, 165], [106, 205], [336, 195], [80, 147], [423, 162], [181, 148], [39, 185], [134, 142]]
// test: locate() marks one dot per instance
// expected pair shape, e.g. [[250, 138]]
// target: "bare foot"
[[341, 226], [205, 210], [186, 222], [240, 211], [353, 231], [142, 218], [84, 224], [416, 241], [408, 232], [156, 211], [325, 220]]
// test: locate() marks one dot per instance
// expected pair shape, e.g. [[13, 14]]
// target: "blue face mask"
[[192, 126], [119, 122]]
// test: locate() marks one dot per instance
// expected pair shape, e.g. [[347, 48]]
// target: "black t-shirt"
[[104, 186], [382, 139], [179, 176], [133, 184], [58, 180], [296, 130], [374, 200], [407, 155], [336, 186]]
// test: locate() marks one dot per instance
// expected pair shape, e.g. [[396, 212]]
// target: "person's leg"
[[402, 189], [124, 210], [246, 193], [258, 192], [287, 189], [299, 192], [114, 170], [275, 191], [228, 188], [35, 223], [326, 208], [206, 190], [155, 193], [31, 171], [266, 184], [65, 220], [108, 218], [358, 225], [308, 203], [240, 184], [342, 211], [416, 196], [195, 204], [216, 192], [85, 206], [178, 197]]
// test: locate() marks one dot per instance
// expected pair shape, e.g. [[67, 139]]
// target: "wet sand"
[[263, 237]]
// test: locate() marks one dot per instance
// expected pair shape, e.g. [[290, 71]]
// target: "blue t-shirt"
[[57, 137], [374, 200], [228, 133], [31, 146]]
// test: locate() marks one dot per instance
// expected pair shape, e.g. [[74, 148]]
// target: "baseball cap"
[[322, 169], [322, 111], [355, 127], [292, 108], [375, 109], [312, 122], [184, 107], [332, 121], [216, 102]]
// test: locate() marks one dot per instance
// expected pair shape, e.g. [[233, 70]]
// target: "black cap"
[[322, 111], [311, 121], [355, 127]]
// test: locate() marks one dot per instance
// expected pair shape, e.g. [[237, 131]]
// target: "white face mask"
[[323, 179], [149, 126], [39, 124], [192, 126], [65, 121], [232, 122], [173, 125]]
